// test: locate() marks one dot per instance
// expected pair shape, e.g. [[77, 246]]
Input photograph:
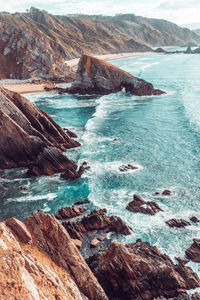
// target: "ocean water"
[[159, 134]]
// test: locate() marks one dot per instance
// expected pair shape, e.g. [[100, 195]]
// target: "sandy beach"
[[26, 87]]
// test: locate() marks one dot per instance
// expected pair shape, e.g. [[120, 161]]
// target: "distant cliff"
[[36, 44]]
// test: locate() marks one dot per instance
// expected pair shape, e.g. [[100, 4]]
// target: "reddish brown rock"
[[140, 271], [177, 223], [75, 174], [194, 219], [166, 193], [20, 229], [69, 212], [97, 220], [96, 76], [182, 261], [138, 205], [30, 138], [193, 252], [86, 201], [95, 243], [77, 242]]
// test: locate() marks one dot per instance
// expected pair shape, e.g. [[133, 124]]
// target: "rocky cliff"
[[39, 260], [36, 44], [96, 76], [30, 138]]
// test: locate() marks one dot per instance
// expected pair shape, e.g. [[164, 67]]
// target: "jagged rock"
[[160, 50], [96, 76], [73, 174], [77, 242], [49, 235], [125, 168], [69, 212], [183, 261], [95, 242], [194, 219], [177, 223], [50, 268], [86, 201], [20, 229], [24, 188], [166, 193], [193, 252], [29, 137], [97, 220], [188, 50], [140, 271], [196, 51], [138, 205]]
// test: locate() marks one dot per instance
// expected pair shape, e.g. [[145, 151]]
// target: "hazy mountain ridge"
[[36, 44]]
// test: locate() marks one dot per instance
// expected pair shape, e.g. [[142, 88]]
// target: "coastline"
[[24, 88]]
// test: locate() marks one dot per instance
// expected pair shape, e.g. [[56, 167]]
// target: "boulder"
[[166, 193], [86, 201], [96, 76], [69, 212], [194, 219], [139, 271], [138, 205], [128, 167], [177, 223], [30, 138], [193, 252], [97, 220]]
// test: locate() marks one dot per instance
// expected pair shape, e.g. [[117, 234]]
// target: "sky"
[[177, 11]]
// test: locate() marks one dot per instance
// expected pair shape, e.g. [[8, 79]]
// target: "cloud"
[[179, 4]]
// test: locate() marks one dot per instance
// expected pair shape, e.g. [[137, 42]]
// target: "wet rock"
[[70, 133], [97, 220], [30, 138], [74, 173], [117, 140], [194, 219], [96, 76], [95, 242], [193, 252], [77, 242], [140, 271], [69, 212], [24, 188], [177, 223], [138, 205], [125, 168], [86, 201], [166, 193], [156, 193], [182, 261]]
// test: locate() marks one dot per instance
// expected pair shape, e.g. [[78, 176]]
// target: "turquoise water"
[[159, 134]]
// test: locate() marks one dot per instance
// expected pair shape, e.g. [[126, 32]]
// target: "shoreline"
[[24, 88]]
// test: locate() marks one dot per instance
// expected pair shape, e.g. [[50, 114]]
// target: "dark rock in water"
[[86, 201], [156, 193], [177, 223], [138, 205], [182, 261], [166, 193], [73, 173], [24, 188], [140, 271], [196, 51], [97, 220], [193, 252], [188, 50], [69, 212], [160, 50], [125, 168], [70, 133], [194, 219], [96, 76], [29, 137]]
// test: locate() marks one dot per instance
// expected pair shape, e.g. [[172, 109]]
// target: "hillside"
[[36, 44], [197, 31]]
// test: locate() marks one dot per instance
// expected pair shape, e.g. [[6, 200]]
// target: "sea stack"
[[96, 76]]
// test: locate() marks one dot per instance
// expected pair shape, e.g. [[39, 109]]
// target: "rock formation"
[[96, 76], [177, 223], [30, 138], [140, 271], [39, 261], [138, 205], [193, 252]]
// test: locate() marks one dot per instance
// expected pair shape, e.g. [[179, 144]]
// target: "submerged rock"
[[138, 205], [193, 252], [139, 271], [177, 223], [30, 138], [96, 76]]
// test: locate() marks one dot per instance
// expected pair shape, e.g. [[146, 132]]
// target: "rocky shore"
[[39, 259]]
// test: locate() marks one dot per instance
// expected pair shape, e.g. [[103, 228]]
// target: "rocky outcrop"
[[140, 271], [96, 76], [69, 212], [30, 138], [138, 205], [193, 252], [39, 261], [177, 223]]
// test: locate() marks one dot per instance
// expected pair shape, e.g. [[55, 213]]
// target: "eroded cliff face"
[[30, 138], [39, 261], [96, 76]]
